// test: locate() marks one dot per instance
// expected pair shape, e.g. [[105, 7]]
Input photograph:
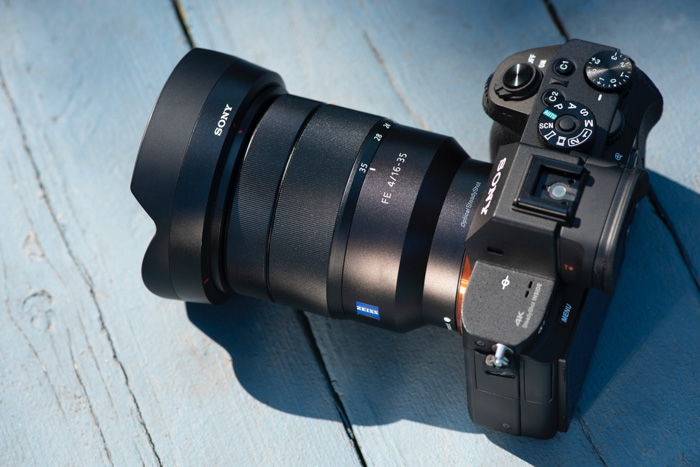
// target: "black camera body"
[[549, 234], [258, 192]]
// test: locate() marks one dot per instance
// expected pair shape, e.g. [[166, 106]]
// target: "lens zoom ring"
[[310, 195], [252, 209]]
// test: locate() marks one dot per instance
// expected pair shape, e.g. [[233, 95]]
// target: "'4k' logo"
[[519, 318]]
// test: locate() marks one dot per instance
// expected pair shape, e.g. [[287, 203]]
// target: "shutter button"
[[520, 81]]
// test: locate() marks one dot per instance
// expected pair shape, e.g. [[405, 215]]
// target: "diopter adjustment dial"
[[566, 125], [609, 70]]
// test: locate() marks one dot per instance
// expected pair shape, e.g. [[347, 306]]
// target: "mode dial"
[[609, 70], [566, 125]]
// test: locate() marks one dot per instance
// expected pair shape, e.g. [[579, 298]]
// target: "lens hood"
[[186, 165]]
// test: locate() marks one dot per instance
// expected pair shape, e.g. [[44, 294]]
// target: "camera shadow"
[[382, 377], [654, 296]]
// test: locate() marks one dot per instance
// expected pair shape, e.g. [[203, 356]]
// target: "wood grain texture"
[[425, 64], [94, 369], [663, 38]]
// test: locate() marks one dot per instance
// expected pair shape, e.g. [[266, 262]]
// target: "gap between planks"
[[84, 274]]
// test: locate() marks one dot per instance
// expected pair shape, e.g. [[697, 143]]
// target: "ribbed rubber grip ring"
[[255, 197], [307, 208]]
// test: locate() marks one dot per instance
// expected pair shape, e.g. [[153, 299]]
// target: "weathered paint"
[[95, 369]]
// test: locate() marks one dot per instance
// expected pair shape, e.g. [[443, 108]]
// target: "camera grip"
[[520, 402]]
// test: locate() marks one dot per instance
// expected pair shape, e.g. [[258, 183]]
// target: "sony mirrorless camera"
[[262, 193]]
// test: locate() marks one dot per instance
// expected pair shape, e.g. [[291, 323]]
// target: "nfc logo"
[[367, 310]]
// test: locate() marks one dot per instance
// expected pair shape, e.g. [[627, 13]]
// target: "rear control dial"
[[609, 70], [566, 125]]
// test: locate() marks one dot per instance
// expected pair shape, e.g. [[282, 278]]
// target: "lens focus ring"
[[253, 206], [308, 203]]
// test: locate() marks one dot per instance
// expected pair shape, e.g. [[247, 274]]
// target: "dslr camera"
[[258, 192]]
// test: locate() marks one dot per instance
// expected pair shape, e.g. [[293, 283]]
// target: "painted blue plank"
[[74, 244], [94, 369], [640, 401], [404, 394]]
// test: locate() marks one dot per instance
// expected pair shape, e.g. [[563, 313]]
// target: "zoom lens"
[[258, 192]]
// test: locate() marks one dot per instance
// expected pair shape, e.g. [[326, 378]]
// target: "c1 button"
[[564, 66]]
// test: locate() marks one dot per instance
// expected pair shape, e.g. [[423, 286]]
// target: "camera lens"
[[258, 192]]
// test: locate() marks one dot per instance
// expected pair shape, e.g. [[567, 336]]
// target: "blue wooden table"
[[96, 370]]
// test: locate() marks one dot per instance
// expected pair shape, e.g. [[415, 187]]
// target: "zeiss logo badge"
[[367, 310]]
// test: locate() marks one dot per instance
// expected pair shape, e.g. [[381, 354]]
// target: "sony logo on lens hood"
[[222, 120]]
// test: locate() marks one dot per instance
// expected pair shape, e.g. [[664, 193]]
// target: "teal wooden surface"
[[95, 370]]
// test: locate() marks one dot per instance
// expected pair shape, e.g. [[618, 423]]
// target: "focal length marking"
[[346, 212], [393, 177]]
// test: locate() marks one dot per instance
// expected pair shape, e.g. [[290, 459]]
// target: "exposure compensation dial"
[[609, 70]]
